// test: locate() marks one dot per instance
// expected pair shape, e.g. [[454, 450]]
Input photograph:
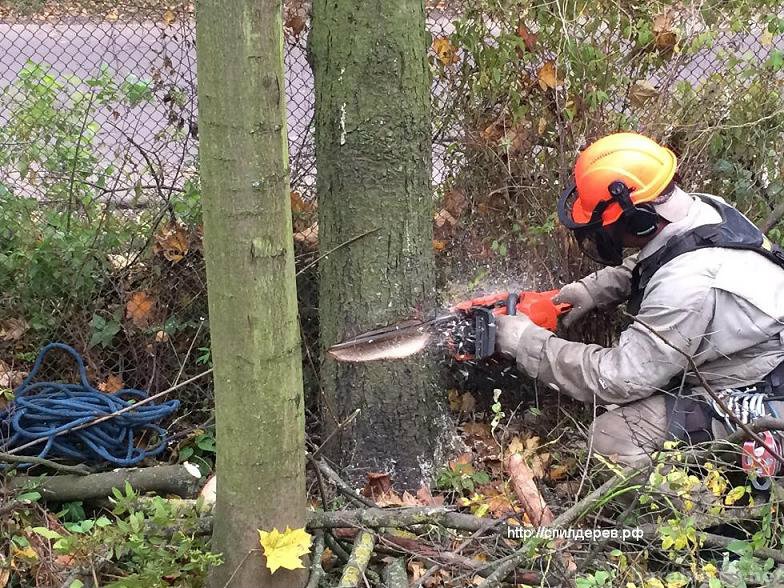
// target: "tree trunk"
[[251, 286], [373, 153]]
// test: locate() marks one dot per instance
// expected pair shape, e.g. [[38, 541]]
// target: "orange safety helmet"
[[643, 165]]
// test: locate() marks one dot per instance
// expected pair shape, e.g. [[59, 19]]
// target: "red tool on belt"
[[466, 329]]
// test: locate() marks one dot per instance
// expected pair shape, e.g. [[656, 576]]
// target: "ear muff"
[[639, 219]]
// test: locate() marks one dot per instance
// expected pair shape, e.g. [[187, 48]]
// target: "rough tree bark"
[[373, 152], [251, 287]]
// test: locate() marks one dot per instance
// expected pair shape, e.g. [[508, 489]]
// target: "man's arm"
[[611, 285], [679, 310]]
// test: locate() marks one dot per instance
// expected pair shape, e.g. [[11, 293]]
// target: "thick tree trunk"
[[251, 286], [373, 152]]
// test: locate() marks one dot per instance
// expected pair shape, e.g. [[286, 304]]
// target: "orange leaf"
[[113, 383], [171, 242], [378, 484], [139, 309], [445, 51], [547, 75], [438, 245]]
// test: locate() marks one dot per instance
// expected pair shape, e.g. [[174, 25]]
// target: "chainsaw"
[[467, 329]]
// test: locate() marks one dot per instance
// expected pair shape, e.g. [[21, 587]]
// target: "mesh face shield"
[[603, 244]]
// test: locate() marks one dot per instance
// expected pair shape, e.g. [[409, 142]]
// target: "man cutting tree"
[[705, 288]]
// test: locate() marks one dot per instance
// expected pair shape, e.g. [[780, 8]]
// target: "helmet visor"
[[603, 244]]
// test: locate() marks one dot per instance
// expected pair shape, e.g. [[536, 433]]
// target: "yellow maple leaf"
[[284, 550]]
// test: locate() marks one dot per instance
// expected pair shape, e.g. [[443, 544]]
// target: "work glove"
[[581, 300], [510, 330]]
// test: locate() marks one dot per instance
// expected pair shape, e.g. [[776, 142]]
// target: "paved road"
[[140, 48], [80, 48]]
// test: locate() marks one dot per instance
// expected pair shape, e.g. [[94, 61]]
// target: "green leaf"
[[740, 547], [46, 533]]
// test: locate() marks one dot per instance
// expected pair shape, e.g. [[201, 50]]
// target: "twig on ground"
[[343, 487], [358, 560], [395, 575], [316, 571], [79, 470]]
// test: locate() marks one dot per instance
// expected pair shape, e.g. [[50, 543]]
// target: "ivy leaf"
[[284, 550], [734, 495]]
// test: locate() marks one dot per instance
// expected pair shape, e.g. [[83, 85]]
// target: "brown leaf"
[[529, 38], [478, 430], [112, 15], [296, 23], [169, 17], [455, 202], [445, 52], [426, 497], [309, 237], [642, 92], [172, 242], [113, 383], [439, 245], [467, 402], [462, 464], [558, 472], [665, 35], [443, 217], [161, 337], [139, 309], [13, 329], [378, 484], [547, 76]]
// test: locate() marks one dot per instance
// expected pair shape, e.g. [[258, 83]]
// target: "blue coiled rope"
[[44, 410]]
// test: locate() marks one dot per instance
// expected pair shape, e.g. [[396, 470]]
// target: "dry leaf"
[[462, 464], [113, 383], [161, 337], [467, 402], [13, 329], [558, 472], [443, 217], [169, 17], [439, 245], [478, 430], [455, 202], [542, 126], [547, 76], [378, 484], [642, 92], [112, 15], [426, 497], [665, 37], [296, 23], [139, 309], [10, 379], [529, 38], [309, 237], [171, 242], [417, 570], [445, 51]]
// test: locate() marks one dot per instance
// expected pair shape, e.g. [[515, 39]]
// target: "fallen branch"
[[342, 486], [378, 518], [166, 479], [316, 571], [79, 470], [395, 575], [358, 560]]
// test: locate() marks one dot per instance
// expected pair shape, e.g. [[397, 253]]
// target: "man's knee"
[[632, 432]]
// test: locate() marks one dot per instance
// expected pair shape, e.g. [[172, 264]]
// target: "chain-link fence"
[[100, 216]]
